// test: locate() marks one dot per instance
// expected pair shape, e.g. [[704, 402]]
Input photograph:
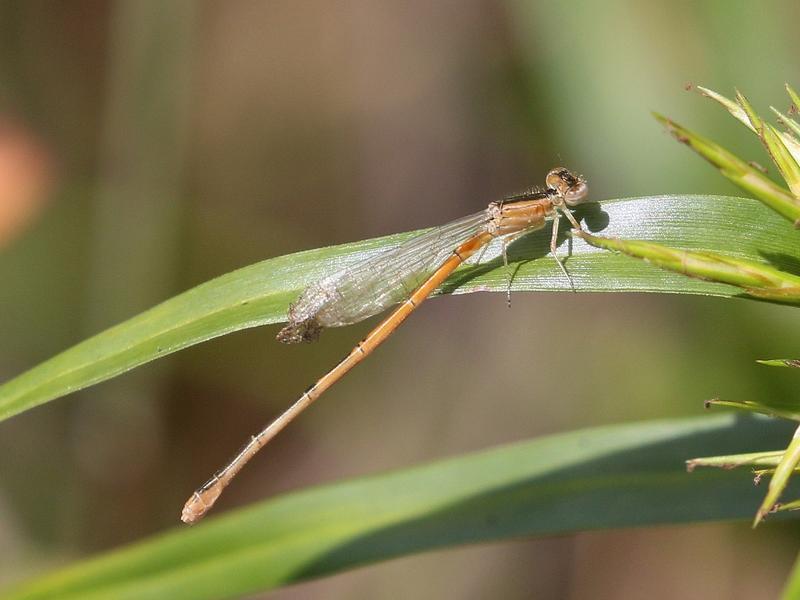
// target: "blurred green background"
[[146, 147]]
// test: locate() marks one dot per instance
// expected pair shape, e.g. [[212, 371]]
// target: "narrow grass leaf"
[[260, 294], [740, 172], [792, 589], [604, 477], [739, 113], [756, 123], [780, 479], [791, 141], [781, 409], [755, 278], [733, 461], [785, 156], [795, 98], [732, 107], [781, 362], [778, 152], [787, 506]]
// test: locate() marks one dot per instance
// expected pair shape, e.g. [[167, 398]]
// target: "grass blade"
[[780, 479], [623, 475], [795, 98], [756, 279], [793, 126], [738, 171], [792, 589], [778, 151], [743, 112], [781, 362], [779, 408], [732, 461], [736, 110], [260, 294]]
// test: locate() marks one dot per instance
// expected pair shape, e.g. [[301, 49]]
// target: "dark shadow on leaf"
[[593, 217], [784, 262]]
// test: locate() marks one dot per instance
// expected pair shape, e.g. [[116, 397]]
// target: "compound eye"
[[557, 179], [576, 193]]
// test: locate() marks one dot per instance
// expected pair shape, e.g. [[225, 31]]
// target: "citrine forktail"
[[408, 273]]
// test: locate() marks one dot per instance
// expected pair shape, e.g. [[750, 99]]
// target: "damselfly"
[[408, 273]]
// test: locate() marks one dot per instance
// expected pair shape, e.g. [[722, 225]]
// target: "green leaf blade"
[[733, 461], [757, 279], [260, 294], [736, 110], [780, 479], [604, 477], [791, 590], [780, 362], [793, 96]]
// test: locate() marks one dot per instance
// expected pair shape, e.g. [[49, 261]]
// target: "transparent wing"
[[358, 292]]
